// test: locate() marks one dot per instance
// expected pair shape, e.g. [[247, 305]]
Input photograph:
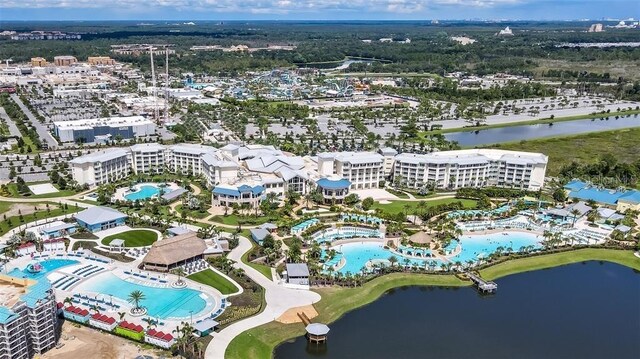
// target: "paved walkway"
[[279, 299]]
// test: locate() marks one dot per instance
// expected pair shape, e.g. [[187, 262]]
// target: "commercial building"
[[99, 218], [39, 62], [101, 129], [28, 318], [471, 168], [101, 60], [621, 199], [101, 167], [64, 60]]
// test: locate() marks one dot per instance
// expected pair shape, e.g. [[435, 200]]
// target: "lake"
[[529, 132], [585, 310]]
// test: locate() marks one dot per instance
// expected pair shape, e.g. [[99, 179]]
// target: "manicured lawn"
[[215, 280], [4, 206], [14, 221], [260, 342], [133, 238], [625, 258], [193, 214], [623, 144], [264, 269], [398, 206], [13, 190], [233, 220]]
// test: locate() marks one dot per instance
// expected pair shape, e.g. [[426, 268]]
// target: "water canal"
[[529, 132]]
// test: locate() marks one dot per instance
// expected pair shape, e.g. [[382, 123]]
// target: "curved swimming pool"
[[48, 266], [161, 302], [471, 249], [144, 192]]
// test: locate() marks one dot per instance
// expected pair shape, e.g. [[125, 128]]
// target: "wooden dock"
[[485, 287]]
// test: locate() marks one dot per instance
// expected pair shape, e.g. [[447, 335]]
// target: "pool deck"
[[123, 191], [213, 296]]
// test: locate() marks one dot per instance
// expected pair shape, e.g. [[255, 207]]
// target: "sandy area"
[[89, 343], [291, 315], [26, 208]]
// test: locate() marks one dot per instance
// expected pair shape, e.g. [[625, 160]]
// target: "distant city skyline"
[[88, 10]]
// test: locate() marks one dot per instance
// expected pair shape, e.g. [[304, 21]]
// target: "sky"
[[316, 9]]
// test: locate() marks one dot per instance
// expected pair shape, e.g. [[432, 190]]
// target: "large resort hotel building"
[[471, 168], [104, 129], [28, 318], [244, 174]]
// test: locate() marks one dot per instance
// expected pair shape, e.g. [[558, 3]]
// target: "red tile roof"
[[131, 326], [103, 318]]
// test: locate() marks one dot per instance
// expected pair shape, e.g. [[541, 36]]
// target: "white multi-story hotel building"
[[101, 167], [148, 158], [363, 169], [471, 168], [27, 317]]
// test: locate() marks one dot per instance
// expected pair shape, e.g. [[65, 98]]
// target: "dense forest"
[[430, 50]]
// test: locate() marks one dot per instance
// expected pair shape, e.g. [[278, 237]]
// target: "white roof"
[[474, 156], [103, 121], [147, 147], [101, 156]]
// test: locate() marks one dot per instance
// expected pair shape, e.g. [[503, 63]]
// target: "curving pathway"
[[278, 298]]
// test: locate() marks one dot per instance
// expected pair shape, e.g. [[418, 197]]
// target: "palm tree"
[[121, 315], [135, 298], [68, 300], [393, 260], [179, 271], [95, 308]]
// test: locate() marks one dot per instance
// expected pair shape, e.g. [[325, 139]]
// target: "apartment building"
[[471, 168], [27, 317], [101, 167], [364, 170]]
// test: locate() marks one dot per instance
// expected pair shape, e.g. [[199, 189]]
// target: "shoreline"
[[266, 338]]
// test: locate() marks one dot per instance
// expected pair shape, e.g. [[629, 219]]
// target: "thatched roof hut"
[[421, 237], [174, 251]]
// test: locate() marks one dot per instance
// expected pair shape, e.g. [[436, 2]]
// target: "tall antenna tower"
[[153, 83], [166, 85]]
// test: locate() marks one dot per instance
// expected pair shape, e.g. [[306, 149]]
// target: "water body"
[[529, 132], [584, 310]]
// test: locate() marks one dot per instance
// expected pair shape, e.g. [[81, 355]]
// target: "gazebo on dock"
[[317, 332]]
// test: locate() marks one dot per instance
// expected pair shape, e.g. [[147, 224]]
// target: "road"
[[43, 131], [13, 129], [279, 299]]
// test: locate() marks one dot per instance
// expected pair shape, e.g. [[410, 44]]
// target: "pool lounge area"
[[301, 227], [333, 234], [470, 249]]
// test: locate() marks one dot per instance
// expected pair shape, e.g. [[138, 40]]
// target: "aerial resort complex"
[[231, 189]]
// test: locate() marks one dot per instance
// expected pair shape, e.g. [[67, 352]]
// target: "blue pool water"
[[48, 266], [473, 248], [144, 192], [358, 254], [160, 302]]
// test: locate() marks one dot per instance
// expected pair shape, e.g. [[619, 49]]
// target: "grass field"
[[624, 144], [13, 191], [133, 238], [264, 269], [215, 280], [233, 220], [260, 342], [14, 221], [398, 206], [4, 206]]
